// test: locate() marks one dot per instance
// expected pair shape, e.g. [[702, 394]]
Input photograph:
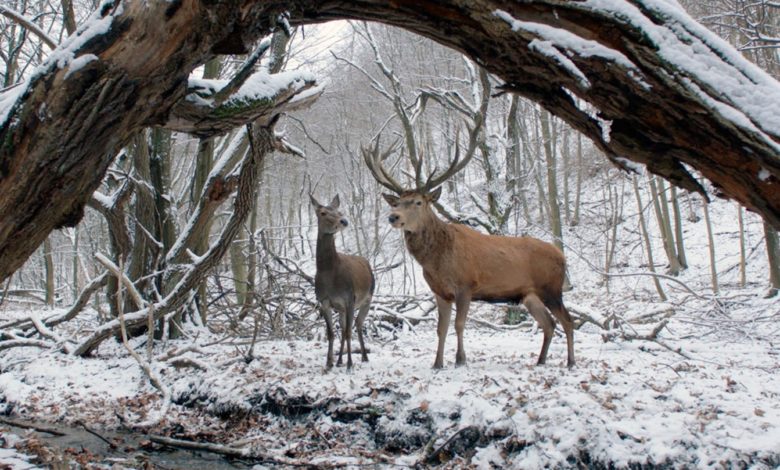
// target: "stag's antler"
[[374, 158]]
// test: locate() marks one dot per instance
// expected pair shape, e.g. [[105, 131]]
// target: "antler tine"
[[454, 167], [374, 160]]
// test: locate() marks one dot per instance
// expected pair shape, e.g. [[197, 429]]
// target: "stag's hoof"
[[364, 358]]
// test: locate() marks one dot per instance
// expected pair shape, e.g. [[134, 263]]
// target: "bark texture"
[[67, 125]]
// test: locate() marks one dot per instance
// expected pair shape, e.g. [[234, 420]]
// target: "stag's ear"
[[390, 198], [335, 203], [434, 196], [314, 201]]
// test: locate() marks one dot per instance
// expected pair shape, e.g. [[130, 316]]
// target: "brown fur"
[[343, 283], [460, 265]]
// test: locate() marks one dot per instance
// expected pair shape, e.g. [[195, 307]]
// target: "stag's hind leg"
[[562, 315], [535, 305], [362, 313]]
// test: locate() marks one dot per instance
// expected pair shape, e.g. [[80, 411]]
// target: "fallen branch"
[[75, 309], [145, 366], [463, 440], [205, 446], [282, 262], [34, 427], [652, 336], [239, 452]]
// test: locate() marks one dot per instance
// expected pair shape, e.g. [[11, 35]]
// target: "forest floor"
[[701, 393]]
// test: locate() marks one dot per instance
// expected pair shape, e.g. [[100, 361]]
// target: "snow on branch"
[[214, 107], [706, 60]]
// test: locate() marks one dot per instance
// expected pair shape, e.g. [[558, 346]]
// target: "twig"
[[96, 434]]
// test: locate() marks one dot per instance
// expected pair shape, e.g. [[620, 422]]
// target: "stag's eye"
[[419, 203], [322, 213]]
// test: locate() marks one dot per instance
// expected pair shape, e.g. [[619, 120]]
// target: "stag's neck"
[[327, 257], [430, 243]]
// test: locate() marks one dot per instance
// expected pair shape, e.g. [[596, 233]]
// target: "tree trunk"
[[663, 112], [548, 136], [678, 231], [773, 253], [742, 251], [48, 263], [646, 238], [665, 227], [711, 244], [578, 192]]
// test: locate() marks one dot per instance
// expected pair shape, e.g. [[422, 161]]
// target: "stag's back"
[[499, 268]]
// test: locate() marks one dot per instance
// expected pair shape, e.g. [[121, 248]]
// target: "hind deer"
[[343, 282], [461, 265]]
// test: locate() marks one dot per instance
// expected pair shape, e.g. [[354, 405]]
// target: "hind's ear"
[[335, 203], [390, 198], [314, 201], [434, 196]]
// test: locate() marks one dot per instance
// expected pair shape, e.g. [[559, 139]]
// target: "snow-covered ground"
[[715, 403]]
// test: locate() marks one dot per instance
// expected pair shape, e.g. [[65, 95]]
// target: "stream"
[[130, 450]]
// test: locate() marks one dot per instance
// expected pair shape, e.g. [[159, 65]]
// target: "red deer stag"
[[343, 282], [460, 264]]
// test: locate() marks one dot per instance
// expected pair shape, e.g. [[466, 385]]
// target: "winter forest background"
[[675, 299]]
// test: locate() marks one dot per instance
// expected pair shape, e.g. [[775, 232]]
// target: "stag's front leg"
[[462, 304], [326, 314], [445, 311]]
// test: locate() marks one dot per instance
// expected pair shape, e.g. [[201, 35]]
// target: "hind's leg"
[[544, 320], [343, 326], [359, 325], [326, 314]]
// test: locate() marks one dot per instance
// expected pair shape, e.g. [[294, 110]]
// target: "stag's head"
[[329, 218], [411, 209]]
